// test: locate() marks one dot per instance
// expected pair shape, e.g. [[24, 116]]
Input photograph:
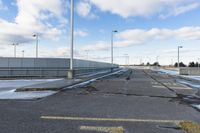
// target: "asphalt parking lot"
[[137, 101]]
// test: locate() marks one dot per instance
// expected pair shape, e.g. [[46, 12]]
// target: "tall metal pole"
[[23, 53], [126, 59], [72, 33], [157, 60], [36, 47], [87, 54], [179, 55], [172, 62], [112, 48], [114, 31], [178, 58], [15, 49], [70, 73]]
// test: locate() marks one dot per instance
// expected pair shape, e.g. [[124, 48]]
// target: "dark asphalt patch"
[[169, 127]]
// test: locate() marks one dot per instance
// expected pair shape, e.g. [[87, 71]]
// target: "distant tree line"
[[181, 64], [191, 64], [154, 64]]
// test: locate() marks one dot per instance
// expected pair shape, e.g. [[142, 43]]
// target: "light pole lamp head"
[[115, 31], [180, 46], [15, 44], [34, 35]]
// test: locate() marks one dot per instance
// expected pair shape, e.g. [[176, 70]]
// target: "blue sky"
[[146, 29]]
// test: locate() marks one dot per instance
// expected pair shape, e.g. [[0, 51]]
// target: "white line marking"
[[173, 87], [108, 119]]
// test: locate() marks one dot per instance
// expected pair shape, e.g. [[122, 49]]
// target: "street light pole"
[[179, 54], [114, 31], [157, 60], [172, 62], [15, 49], [23, 53], [126, 59], [36, 36], [87, 54], [70, 72]]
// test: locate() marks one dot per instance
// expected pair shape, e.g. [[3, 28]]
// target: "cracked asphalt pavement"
[[136, 101]]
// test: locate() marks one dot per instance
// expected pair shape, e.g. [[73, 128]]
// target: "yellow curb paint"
[[109, 119], [190, 127], [103, 129]]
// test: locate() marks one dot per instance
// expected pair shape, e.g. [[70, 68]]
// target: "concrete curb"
[[49, 86]]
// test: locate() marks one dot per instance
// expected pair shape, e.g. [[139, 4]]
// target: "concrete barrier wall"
[[47, 67], [145, 67], [189, 71], [33, 63]]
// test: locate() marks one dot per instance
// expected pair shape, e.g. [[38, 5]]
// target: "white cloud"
[[80, 33], [146, 8], [84, 8], [183, 50], [58, 52], [180, 10], [61, 52], [34, 17], [186, 8], [102, 46], [140, 36]]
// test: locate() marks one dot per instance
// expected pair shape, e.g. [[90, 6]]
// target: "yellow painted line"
[[103, 129], [109, 119]]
